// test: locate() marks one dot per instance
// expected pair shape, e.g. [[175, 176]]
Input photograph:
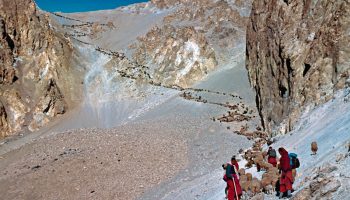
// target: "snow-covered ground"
[[329, 126]]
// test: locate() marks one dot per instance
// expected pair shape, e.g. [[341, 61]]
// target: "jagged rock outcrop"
[[49, 105], [297, 56], [323, 184], [33, 56], [3, 121], [16, 109], [193, 40], [171, 3], [182, 55]]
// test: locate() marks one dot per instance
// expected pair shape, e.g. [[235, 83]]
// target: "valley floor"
[[166, 147], [118, 163]]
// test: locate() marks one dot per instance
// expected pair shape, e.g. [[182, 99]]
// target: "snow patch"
[[44, 71], [190, 48]]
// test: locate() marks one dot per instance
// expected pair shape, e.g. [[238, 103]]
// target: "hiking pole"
[[234, 184]]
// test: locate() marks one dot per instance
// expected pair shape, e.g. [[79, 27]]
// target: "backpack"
[[272, 153], [294, 161]]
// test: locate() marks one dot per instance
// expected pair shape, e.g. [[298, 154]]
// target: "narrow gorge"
[[148, 100]]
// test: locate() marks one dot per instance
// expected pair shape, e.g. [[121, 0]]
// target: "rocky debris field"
[[118, 163], [172, 150]]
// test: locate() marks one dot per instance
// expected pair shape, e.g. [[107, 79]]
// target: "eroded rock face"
[[297, 55], [170, 3], [49, 106], [3, 121], [182, 55], [192, 40], [33, 56], [16, 109]]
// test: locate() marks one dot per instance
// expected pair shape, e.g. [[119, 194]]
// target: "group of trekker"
[[288, 162]]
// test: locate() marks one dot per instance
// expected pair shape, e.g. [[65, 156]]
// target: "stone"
[[259, 196], [315, 186], [327, 168], [330, 187], [339, 157], [304, 194]]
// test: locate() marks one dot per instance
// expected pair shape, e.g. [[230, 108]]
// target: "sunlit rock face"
[[181, 56], [35, 74], [3, 121], [297, 56], [192, 40]]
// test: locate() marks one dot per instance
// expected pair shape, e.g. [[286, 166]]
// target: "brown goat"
[[249, 176], [314, 148]]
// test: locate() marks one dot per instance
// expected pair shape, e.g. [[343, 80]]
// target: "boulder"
[[304, 194], [330, 187]]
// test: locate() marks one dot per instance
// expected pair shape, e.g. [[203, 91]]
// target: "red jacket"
[[284, 160], [236, 165]]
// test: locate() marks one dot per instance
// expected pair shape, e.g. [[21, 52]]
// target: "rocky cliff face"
[[193, 39], [182, 55], [34, 68], [297, 56]]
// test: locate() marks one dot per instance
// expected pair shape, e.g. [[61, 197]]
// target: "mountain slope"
[[325, 175]]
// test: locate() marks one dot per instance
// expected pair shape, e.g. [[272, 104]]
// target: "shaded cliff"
[[297, 56], [36, 80]]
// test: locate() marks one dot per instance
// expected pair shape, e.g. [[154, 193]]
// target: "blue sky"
[[82, 5]]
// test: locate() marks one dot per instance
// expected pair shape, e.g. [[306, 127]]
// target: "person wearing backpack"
[[294, 163], [271, 153], [286, 180], [224, 167], [231, 177]]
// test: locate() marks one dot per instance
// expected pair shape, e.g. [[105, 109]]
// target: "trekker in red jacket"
[[286, 181], [234, 188], [272, 156]]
